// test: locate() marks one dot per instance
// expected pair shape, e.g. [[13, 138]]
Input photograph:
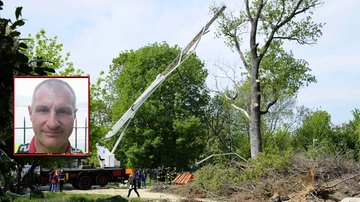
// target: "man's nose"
[[52, 121]]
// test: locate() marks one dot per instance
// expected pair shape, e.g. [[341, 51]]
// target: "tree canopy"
[[167, 129], [47, 52]]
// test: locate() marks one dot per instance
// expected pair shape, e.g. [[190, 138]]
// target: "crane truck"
[[109, 170]]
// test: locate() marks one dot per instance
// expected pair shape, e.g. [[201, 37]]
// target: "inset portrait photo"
[[51, 116]]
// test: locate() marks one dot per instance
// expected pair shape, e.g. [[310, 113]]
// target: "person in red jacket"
[[54, 181]]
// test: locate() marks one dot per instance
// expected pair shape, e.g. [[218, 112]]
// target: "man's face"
[[52, 116]]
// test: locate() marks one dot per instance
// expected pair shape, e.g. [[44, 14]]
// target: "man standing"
[[138, 178], [51, 173], [173, 174], [132, 185], [61, 179], [168, 175], [163, 176], [143, 178], [52, 113]]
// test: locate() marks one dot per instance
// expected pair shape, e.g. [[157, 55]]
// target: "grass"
[[61, 197], [70, 197]]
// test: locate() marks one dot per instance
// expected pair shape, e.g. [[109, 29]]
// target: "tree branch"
[[294, 12], [268, 106], [293, 39], [248, 11], [282, 11], [341, 181], [236, 107], [238, 49], [254, 24]]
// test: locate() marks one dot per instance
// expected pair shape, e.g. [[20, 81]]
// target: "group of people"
[[140, 177], [164, 175], [56, 178]]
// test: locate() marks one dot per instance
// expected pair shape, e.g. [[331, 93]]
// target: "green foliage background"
[[167, 129]]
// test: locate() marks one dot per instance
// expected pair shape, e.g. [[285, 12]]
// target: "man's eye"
[[43, 110], [64, 112]]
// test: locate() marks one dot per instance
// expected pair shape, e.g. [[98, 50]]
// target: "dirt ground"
[[145, 193]]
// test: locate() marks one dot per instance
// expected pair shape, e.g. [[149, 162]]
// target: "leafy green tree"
[[344, 141], [347, 137], [99, 121], [269, 66], [226, 133], [45, 51], [355, 124], [167, 129], [12, 63], [45, 56], [314, 130], [281, 123]]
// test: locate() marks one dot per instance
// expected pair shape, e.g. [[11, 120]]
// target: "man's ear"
[[30, 110], [75, 113]]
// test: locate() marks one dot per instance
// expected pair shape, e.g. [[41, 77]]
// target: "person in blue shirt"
[[138, 178], [143, 178], [61, 178]]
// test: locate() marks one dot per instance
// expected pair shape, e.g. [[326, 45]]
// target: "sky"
[[95, 32]]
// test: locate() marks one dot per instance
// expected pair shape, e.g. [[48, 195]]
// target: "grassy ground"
[[71, 197], [65, 197]]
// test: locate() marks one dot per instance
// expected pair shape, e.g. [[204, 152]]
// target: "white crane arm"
[[132, 110]]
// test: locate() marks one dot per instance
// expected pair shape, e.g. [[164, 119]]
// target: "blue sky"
[[95, 32]]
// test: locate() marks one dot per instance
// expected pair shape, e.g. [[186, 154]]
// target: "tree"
[[226, 133], [167, 129], [272, 21], [281, 123], [44, 51], [12, 63], [314, 130], [15, 52]]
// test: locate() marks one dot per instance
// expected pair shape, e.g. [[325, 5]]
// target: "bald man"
[[52, 113]]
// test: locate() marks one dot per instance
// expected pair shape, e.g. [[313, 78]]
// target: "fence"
[[75, 132]]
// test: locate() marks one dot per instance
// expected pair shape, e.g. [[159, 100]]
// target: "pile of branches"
[[305, 179]]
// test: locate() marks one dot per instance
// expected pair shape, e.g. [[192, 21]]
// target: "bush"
[[6, 198], [80, 199], [223, 178], [37, 194], [264, 163]]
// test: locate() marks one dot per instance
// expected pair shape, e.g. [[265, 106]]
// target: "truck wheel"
[[74, 184], [85, 183], [102, 179]]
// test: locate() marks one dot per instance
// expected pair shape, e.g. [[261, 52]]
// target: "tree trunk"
[[2, 192], [255, 137]]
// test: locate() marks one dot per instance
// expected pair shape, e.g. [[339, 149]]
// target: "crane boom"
[[107, 158]]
